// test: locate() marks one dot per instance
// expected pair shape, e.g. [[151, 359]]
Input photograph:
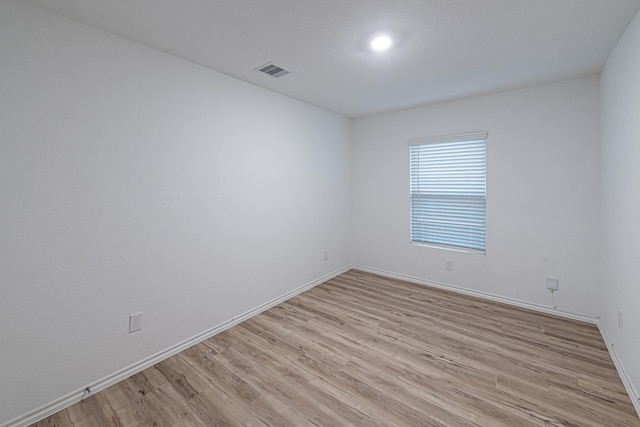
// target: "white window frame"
[[447, 177]]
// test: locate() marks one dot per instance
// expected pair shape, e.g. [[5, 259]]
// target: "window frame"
[[475, 194]]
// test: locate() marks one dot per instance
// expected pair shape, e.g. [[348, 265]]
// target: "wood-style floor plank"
[[363, 350]]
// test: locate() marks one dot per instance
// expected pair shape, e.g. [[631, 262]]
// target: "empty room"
[[319, 212]]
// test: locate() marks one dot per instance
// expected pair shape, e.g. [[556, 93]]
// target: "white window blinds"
[[448, 191]]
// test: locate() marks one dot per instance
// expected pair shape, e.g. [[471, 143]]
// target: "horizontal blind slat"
[[448, 190]]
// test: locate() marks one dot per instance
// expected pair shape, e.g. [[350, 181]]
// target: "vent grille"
[[272, 70]]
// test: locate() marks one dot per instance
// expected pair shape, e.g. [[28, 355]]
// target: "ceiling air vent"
[[272, 70]]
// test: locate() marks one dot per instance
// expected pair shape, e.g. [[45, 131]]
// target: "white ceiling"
[[446, 49]]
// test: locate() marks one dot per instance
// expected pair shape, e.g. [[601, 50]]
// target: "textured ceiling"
[[446, 49]]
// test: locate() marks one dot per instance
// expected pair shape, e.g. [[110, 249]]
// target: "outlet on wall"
[[448, 265], [620, 320], [552, 283], [135, 322], [325, 254]]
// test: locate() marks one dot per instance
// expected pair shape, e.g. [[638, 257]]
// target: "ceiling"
[[444, 49]]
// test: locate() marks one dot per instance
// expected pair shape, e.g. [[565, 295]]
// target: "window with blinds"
[[448, 192]]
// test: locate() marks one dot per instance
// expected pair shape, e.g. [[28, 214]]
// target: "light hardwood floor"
[[370, 351]]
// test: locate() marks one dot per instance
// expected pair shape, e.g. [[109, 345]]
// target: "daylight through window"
[[448, 192]]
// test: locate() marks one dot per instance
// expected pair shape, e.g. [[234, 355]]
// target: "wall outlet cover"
[[620, 320], [135, 322]]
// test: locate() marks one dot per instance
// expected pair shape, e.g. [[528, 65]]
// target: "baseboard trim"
[[628, 385], [74, 397], [626, 380], [479, 294]]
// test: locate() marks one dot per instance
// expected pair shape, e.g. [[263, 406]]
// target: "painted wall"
[[542, 193], [133, 181], [620, 278]]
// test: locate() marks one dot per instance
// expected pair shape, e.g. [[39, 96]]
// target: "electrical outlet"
[[135, 322], [620, 320], [552, 284], [448, 265], [325, 254]]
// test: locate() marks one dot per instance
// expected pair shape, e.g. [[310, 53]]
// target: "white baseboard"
[[74, 397], [483, 295], [70, 399], [628, 385], [631, 391]]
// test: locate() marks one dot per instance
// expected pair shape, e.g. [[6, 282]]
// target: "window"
[[448, 192]]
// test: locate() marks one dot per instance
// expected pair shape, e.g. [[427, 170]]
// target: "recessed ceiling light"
[[381, 43]]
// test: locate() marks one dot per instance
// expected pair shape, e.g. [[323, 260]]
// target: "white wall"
[[126, 184], [620, 192], [542, 193], [133, 181]]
